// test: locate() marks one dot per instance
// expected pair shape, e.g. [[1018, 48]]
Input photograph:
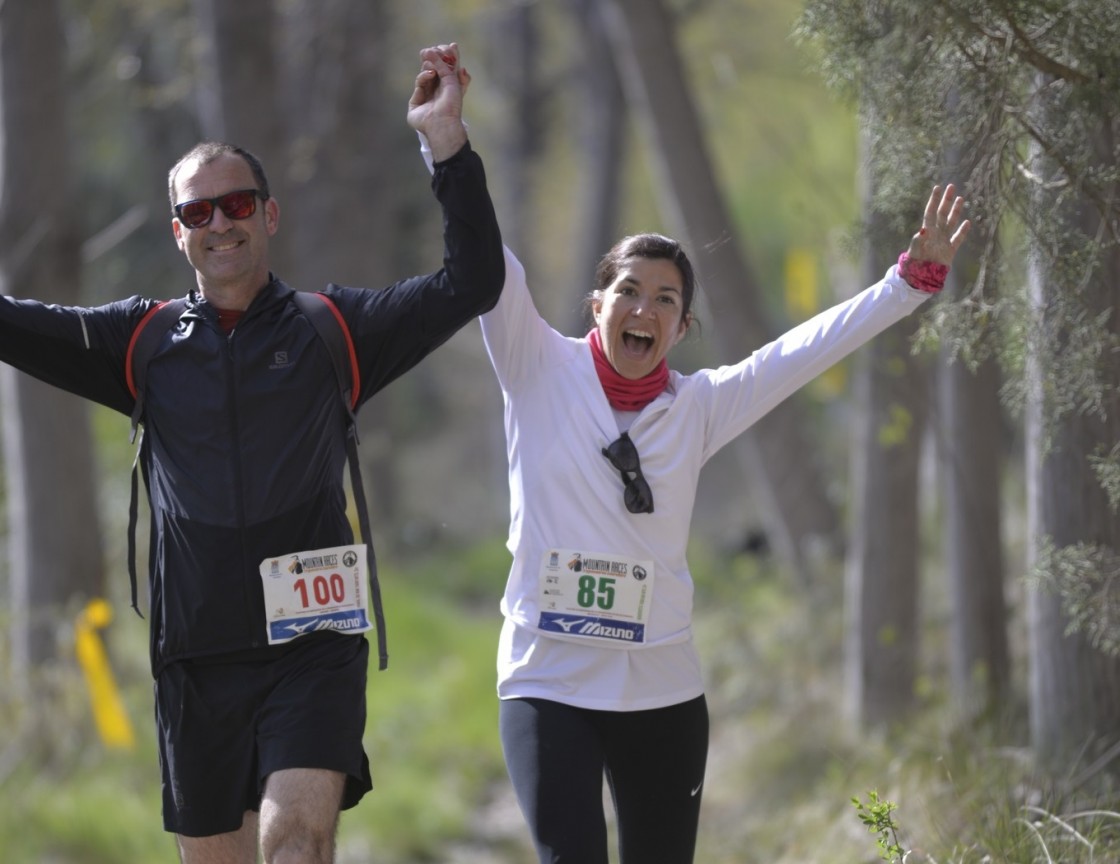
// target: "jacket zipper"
[[238, 479]]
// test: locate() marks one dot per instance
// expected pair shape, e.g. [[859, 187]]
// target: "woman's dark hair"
[[646, 246], [206, 152]]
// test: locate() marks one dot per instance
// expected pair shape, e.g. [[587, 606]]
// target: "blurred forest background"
[[908, 576]]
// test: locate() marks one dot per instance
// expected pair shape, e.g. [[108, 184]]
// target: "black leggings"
[[654, 761]]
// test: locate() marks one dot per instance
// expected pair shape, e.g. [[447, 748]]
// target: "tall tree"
[[881, 586], [602, 133], [1074, 527], [236, 74], [1036, 77], [343, 216], [971, 444], [344, 132], [776, 450], [513, 34], [236, 71], [55, 549], [320, 126]]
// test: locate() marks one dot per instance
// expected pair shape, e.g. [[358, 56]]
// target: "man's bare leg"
[[299, 815]]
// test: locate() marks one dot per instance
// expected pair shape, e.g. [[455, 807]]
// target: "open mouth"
[[637, 341]]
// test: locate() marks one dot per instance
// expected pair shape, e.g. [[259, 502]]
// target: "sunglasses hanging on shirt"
[[623, 455]]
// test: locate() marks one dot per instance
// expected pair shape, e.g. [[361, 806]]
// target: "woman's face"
[[639, 315]]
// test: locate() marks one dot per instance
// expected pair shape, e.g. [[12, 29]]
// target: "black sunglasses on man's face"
[[623, 455], [240, 204]]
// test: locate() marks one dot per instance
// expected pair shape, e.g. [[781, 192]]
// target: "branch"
[[1021, 46]]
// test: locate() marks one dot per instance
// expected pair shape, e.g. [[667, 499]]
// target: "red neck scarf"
[[626, 394]]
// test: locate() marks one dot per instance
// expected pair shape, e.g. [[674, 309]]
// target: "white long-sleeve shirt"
[[566, 500]]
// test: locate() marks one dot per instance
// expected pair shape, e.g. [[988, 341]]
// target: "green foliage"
[[1087, 835], [474, 574], [88, 816], [781, 760], [784, 148], [783, 763], [752, 618], [432, 728], [64, 797], [1072, 355], [896, 428], [1107, 467], [1011, 100], [431, 737], [992, 821], [1086, 578], [876, 815], [1016, 103]]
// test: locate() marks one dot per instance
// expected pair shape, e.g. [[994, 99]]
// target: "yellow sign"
[[803, 300], [108, 710]]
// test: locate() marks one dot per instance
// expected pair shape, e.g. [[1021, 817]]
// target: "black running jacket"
[[244, 447]]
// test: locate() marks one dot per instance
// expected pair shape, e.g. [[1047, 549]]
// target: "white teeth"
[[641, 334], [223, 247]]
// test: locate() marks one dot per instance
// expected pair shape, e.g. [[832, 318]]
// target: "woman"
[[597, 671]]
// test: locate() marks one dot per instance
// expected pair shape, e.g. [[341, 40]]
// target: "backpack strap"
[[329, 323], [143, 343], [145, 339]]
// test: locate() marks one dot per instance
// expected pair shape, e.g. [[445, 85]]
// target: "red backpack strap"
[[316, 307], [325, 316], [143, 343], [145, 339]]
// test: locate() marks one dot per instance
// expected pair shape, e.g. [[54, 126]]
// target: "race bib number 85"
[[595, 596]]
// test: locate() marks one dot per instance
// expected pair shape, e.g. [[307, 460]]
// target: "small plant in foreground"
[[875, 813]]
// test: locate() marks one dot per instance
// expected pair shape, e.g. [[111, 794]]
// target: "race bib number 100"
[[324, 589]]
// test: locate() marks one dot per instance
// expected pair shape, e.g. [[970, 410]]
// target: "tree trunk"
[[513, 35], [971, 440], [776, 450], [236, 71], [55, 552], [342, 222], [1074, 685], [236, 93], [345, 126], [882, 568], [602, 119]]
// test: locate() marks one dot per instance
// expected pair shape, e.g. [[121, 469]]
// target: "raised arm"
[[436, 107]]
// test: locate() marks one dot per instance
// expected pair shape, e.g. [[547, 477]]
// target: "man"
[[260, 736]]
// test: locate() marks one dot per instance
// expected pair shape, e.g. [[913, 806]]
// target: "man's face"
[[227, 254]]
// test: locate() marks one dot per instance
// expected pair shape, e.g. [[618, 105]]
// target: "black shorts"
[[224, 724]]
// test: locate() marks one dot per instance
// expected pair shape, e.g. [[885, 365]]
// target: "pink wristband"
[[928, 276]]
